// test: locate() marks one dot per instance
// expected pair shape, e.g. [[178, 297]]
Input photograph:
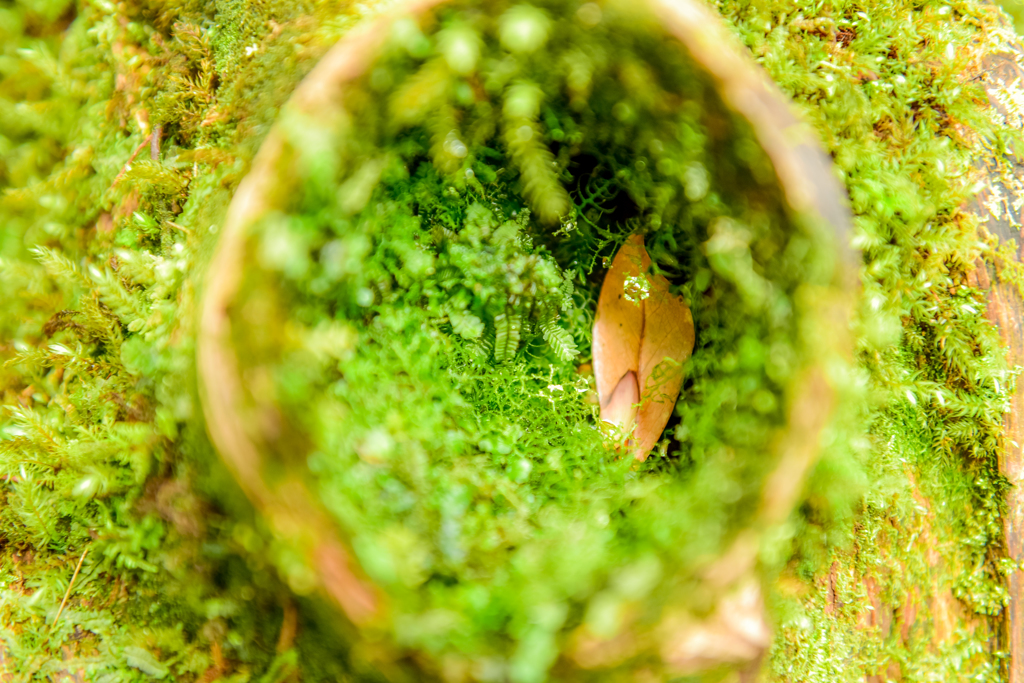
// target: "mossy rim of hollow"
[[561, 128]]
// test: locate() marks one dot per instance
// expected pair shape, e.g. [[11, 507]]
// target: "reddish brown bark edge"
[[999, 74], [1006, 311]]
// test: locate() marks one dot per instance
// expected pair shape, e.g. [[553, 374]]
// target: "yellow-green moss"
[[103, 446]]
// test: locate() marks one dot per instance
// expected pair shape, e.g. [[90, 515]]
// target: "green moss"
[[103, 447], [884, 86], [102, 450]]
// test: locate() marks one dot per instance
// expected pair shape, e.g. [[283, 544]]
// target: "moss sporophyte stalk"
[[446, 238]]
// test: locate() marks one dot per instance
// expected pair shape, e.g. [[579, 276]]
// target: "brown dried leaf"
[[636, 387]]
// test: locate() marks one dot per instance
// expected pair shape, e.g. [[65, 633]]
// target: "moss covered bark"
[[124, 129]]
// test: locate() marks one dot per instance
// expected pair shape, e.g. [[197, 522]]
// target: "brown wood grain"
[[1005, 310]]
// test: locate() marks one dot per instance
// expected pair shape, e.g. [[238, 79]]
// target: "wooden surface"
[[1002, 77]]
